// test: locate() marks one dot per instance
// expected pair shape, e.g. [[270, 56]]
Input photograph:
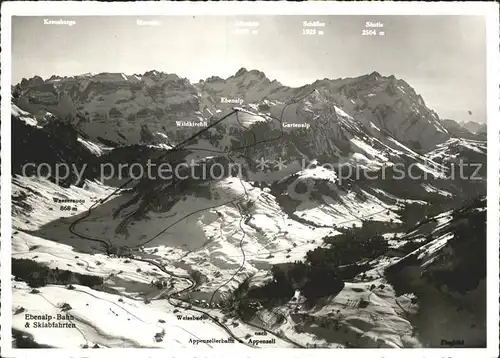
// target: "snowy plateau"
[[316, 243]]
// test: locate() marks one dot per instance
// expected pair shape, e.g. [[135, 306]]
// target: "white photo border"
[[489, 10]]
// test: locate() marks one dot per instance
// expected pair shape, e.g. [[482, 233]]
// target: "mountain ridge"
[[155, 99], [213, 245]]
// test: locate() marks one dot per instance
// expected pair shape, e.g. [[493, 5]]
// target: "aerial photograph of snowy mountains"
[[248, 181]]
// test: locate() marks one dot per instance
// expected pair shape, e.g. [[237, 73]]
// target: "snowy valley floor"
[[202, 258]]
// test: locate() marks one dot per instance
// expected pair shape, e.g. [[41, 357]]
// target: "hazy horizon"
[[442, 57]]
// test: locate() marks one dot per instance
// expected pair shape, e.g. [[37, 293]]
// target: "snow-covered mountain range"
[[472, 130], [318, 163], [118, 108], [474, 127]]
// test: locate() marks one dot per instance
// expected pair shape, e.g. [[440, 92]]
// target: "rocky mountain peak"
[[241, 72], [32, 82], [375, 76], [145, 99]]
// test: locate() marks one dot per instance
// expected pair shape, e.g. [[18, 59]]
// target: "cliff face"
[[447, 277], [116, 107]]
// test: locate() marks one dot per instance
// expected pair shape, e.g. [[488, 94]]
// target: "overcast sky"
[[442, 57]]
